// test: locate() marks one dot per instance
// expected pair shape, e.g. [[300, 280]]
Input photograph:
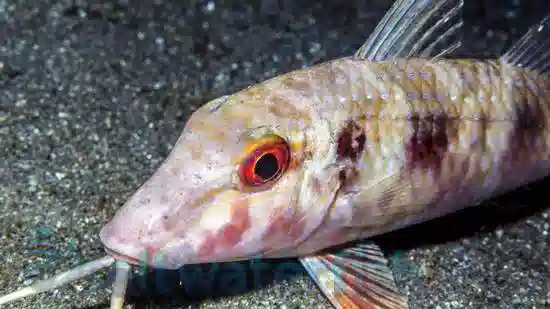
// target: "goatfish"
[[331, 155]]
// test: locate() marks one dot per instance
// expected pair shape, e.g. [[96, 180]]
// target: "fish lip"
[[122, 257], [147, 262]]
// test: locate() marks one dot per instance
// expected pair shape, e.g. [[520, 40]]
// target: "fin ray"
[[438, 25], [427, 52], [408, 26], [531, 51], [357, 277]]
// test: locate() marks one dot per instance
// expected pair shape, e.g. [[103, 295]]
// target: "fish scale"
[[481, 115]]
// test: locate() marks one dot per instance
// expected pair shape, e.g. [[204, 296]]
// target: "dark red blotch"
[[351, 141], [428, 143], [529, 125]]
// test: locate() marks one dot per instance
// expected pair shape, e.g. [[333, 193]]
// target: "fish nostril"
[[145, 201], [141, 233]]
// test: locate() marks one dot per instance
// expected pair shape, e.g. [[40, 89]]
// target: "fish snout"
[[140, 230]]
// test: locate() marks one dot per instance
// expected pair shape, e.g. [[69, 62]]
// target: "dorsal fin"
[[415, 28], [532, 51]]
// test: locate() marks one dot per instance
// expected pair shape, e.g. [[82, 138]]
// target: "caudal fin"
[[532, 51]]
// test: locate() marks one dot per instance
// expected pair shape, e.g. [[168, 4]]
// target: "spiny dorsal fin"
[[415, 28], [356, 277], [532, 51]]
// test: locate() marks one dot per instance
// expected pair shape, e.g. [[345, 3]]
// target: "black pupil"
[[267, 166]]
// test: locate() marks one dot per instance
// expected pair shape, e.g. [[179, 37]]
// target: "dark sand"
[[92, 96]]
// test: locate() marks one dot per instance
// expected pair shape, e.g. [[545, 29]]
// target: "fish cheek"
[[283, 229], [228, 237], [295, 219]]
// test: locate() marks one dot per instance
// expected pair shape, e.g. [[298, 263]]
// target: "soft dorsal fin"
[[415, 28], [532, 51]]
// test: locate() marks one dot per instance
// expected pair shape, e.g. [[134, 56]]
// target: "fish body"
[[375, 147], [392, 136]]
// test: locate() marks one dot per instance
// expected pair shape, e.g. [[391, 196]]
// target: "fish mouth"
[[122, 257], [148, 259]]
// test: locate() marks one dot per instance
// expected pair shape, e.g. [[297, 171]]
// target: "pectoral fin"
[[358, 277]]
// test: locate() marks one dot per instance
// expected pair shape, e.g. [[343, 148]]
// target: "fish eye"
[[268, 160]]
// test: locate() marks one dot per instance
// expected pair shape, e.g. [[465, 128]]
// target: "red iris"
[[266, 163]]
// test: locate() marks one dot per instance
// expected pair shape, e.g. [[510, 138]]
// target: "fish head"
[[244, 180]]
